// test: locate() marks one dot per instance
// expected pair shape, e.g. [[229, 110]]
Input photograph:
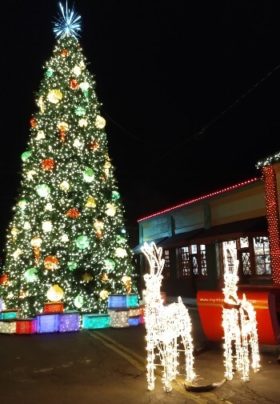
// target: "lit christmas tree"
[[66, 241]]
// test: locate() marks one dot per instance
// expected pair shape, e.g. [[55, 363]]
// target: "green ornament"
[[86, 93], [43, 190], [72, 265], [82, 242], [120, 239], [115, 195], [22, 204], [49, 72], [109, 264], [30, 275], [25, 155], [80, 111], [79, 301], [88, 174]]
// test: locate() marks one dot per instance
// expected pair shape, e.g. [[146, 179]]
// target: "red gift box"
[[26, 326], [56, 307]]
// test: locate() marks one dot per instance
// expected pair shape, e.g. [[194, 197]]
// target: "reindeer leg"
[[150, 364], [167, 367], [228, 345]]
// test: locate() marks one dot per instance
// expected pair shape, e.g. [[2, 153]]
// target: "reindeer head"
[[231, 278], [156, 264]]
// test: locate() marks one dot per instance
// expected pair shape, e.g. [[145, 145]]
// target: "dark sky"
[[190, 91]]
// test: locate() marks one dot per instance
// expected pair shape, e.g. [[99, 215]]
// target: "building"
[[191, 236]]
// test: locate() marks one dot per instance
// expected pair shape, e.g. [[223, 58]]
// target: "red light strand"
[[272, 214]]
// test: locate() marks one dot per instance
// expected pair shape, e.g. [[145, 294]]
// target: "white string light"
[[166, 326], [239, 322]]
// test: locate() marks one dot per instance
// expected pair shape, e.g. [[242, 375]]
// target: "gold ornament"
[[83, 123], [104, 277], [36, 243], [87, 277], [54, 96], [63, 126], [104, 294], [64, 186], [126, 280], [111, 209], [55, 293], [41, 104], [91, 202], [14, 232]]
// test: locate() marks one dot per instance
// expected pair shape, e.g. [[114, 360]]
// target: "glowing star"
[[239, 322], [77, 70], [83, 123], [120, 252], [64, 186], [47, 226], [165, 326], [78, 144], [27, 226], [68, 23], [40, 135], [17, 253], [111, 209], [64, 238], [49, 207], [84, 86]]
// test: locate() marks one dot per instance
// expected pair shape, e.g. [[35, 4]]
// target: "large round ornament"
[[104, 294], [48, 164], [31, 275], [77, 70], [51, 262], [47, 226], [49, 72], [63, 126], [22, 203], [82, 242], [64, 186], [64, 53], [72, 265], [109, 264], [100, 122], [25, 155], [120, 252], [55, 293], [83, 123], [54, 96], [115, 195], [74, 85], [33, 122], [88, 174], [36, 242], [43, 190], [111, 209]]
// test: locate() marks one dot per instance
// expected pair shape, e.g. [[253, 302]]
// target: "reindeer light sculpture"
[[166, 326], [239, 322]]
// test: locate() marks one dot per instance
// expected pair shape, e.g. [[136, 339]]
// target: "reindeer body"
[[239, 323], [166, 326]]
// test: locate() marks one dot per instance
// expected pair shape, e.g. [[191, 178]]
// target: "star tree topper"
[[68, 23]]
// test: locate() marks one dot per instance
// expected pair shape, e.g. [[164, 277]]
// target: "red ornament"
[[73, 213], [48, 164], [74, 84], [64, 53], [33, 122], [62, 136], [94, 145], [51, 262], [3, 279]]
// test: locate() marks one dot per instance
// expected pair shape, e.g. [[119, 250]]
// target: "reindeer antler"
[[154, 257], [232, 252]]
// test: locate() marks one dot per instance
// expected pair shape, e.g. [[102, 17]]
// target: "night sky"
[[190, 91]]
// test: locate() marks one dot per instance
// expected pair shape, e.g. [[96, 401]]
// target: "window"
[[253, 255], [192, 261], [166, 268]]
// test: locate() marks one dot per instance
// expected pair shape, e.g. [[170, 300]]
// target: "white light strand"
[[166, 327], [239, 322]]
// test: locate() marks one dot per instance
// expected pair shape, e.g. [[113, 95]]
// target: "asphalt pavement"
[[109, 366]]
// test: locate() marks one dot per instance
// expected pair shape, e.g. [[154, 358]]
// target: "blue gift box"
[[94, 321], [47, 323], [69, 321]]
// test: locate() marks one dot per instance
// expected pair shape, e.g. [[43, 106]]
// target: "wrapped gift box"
[[26, 326], [69, 321], [47, 323], [133, 321], [8, 326], [8, 314], [95, 321], [119, 318], [117, 301], [132, 300], [56, 307]]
